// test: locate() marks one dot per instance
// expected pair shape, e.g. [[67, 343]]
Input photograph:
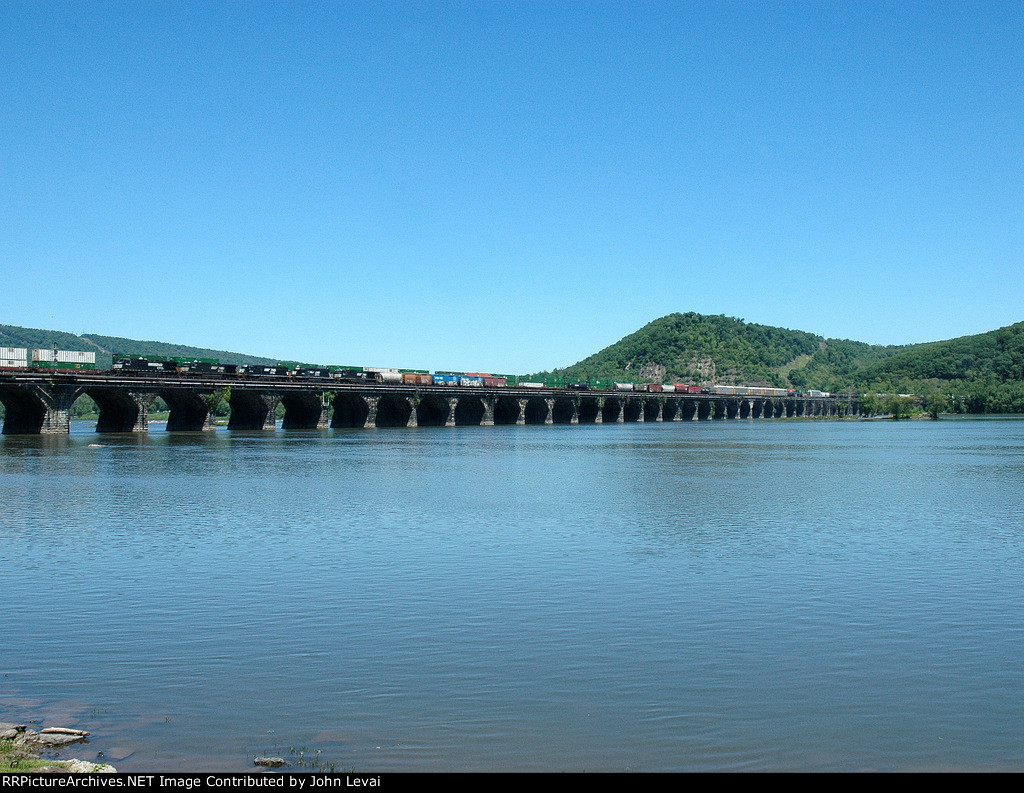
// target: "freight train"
[[11, 358], [360, 374]]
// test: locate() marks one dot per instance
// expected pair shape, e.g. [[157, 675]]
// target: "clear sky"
[[508, 186]]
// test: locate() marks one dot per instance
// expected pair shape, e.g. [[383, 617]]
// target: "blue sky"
[[508, 186]]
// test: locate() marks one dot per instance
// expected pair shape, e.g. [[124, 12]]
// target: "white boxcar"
[[64, 356]]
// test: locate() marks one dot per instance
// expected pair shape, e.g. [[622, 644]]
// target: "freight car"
[[742, 390]]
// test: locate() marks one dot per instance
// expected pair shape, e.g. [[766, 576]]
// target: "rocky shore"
[[22, 749]]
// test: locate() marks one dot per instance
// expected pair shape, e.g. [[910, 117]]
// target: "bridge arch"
[[350, 410], [563, 411], [25, 410], [393, 410], [506, 410], [652, 409], [469, 411], [588, 410], [611, 411], [121, 410], [250, 410], [305, 410], [189, 410], [432, 411], [536, 410]]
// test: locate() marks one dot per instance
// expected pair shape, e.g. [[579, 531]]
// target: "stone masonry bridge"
[[40, 402]]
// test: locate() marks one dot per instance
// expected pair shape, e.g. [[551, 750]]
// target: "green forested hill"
[[707, 350], [106, 347], [982, 373], [979, 374]]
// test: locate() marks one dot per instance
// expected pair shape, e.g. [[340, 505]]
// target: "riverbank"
[[22, 751]]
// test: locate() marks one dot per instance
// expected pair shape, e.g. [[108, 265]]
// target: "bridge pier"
[[521, 419], [599, 418], [370, 422], [488, 419]]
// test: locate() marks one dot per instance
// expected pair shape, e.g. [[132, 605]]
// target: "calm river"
[[703, 596]]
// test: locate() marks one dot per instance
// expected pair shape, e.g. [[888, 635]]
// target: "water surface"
[[698, 596]]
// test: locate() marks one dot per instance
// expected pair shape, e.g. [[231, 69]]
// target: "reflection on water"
[[663, 597]]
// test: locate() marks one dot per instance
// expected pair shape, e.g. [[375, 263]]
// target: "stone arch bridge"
[[41, 402]]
